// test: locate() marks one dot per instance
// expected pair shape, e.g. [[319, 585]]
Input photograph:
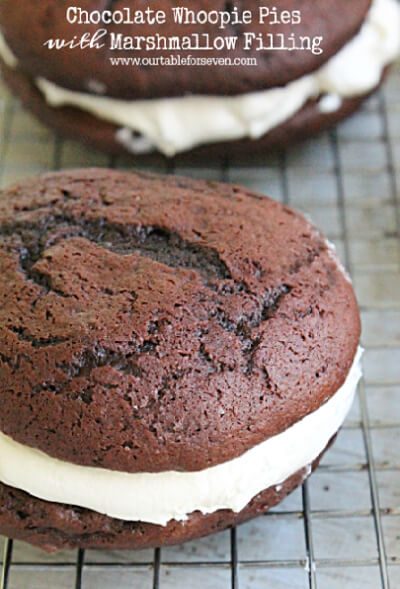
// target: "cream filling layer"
[[174, 125], [160, 497]]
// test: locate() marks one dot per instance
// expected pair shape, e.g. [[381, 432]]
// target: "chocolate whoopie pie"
[[175, 357], [335, 56]]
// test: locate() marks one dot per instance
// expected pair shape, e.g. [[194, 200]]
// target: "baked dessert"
[[175, 356], [342, 50]]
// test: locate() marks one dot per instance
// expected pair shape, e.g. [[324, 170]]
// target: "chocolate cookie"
[[76, 68], [249, 96], [162, 325]]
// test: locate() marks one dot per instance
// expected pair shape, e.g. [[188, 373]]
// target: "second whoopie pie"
[[214, 110]]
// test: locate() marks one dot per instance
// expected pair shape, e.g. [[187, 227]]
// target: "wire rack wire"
[[342, 529]]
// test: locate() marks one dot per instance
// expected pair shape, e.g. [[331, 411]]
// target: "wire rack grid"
[[342, 528]]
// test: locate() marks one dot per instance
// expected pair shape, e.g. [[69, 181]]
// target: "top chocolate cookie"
[[91, 70], [154, 323]]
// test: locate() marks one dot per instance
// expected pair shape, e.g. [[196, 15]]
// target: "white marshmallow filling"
[[160, 497]]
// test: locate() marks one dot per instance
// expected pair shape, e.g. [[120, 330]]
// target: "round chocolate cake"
[[291, 74], [175, 356]]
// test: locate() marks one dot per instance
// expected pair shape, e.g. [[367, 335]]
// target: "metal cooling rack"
[[342, 529]]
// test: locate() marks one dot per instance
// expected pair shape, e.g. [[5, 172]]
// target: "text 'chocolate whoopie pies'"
[[175, 356], [230, 106]]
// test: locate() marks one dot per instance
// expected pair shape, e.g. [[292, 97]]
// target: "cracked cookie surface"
[[153, 323]]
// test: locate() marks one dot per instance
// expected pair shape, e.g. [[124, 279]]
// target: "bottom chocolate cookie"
[[77, 124], [53, 526]]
